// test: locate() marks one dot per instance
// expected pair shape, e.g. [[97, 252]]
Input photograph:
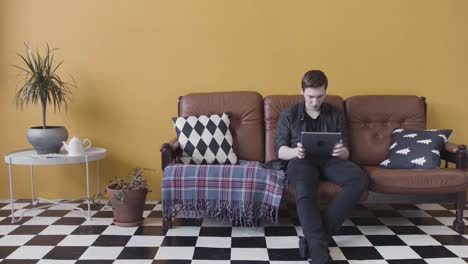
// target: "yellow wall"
[[132, 59]]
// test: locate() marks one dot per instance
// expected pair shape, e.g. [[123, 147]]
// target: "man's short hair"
[[314, 79]]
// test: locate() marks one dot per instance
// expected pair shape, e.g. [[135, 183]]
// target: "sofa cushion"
[[246, 110], [416, 149], [205, 139], [371, 120], [274, 104], [416, 181]]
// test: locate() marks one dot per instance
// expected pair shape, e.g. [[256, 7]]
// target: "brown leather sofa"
[[371, 120]]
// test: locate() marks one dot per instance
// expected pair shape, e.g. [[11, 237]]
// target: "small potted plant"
[[127, 196], [42, 84]]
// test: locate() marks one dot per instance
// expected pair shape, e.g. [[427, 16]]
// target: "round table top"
[[30, 157]]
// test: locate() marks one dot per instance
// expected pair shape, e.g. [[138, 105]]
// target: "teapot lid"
[[75, 139]]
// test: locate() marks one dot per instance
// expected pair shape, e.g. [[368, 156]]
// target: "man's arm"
[[283, 139], [341, 149]]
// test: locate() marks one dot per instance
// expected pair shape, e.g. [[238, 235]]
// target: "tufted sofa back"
[[371, 120]]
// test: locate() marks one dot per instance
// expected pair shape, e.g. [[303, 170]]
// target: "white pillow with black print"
[[416, 149], [205, 139]]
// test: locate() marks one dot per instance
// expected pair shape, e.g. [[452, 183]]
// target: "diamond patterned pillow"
[[205, 139], [416, 149]]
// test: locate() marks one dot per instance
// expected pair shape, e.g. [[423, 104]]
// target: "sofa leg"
[[167, 223], [458, 223]]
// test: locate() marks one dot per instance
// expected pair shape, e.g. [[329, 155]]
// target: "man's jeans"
[[305, 174]]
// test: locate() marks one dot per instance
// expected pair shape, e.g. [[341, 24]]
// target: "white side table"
[[31, 158]]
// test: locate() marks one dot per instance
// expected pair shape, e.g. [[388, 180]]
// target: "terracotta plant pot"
[[130, 211]]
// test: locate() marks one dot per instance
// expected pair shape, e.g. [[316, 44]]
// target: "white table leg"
[[33, 201], [87, 188], [11, 193], [98, 182]]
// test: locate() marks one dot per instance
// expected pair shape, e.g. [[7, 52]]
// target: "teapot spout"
[[65, 145]]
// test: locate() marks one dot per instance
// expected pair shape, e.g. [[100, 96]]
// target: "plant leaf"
[[42, 84]]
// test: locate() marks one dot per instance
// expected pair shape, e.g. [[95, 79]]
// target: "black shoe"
[[329, 260], [303, 248]]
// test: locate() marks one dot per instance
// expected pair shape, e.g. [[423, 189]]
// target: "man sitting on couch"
[[304, 172]]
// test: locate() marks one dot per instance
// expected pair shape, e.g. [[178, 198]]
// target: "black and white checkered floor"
[[373, 234]]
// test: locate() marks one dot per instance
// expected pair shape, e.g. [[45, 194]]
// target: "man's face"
[[314, 97]]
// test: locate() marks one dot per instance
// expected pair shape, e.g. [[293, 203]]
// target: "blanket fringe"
[[237, 212]]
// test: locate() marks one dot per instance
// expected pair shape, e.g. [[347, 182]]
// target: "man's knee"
[[359, 179], [306, 192], [305, 186], [301, 171]]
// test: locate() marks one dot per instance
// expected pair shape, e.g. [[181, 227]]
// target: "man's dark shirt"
[[313, 124], [293, 121]]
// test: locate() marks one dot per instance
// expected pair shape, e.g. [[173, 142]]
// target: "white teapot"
[[75, 146]]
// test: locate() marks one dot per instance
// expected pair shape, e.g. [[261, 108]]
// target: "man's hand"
[[340, 151], [287, 153], [299, 151]]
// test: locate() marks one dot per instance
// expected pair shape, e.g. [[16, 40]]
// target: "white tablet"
[[319, 144]]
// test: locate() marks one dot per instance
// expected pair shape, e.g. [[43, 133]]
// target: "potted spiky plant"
[[42, 84], [127, 196]]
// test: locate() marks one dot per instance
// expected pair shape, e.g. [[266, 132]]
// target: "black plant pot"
[[48, 140]]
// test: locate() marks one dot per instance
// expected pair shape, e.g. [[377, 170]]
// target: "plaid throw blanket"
[[246, 193]]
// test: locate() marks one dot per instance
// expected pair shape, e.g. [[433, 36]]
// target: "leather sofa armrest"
[[456, 153], [170, 151]]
